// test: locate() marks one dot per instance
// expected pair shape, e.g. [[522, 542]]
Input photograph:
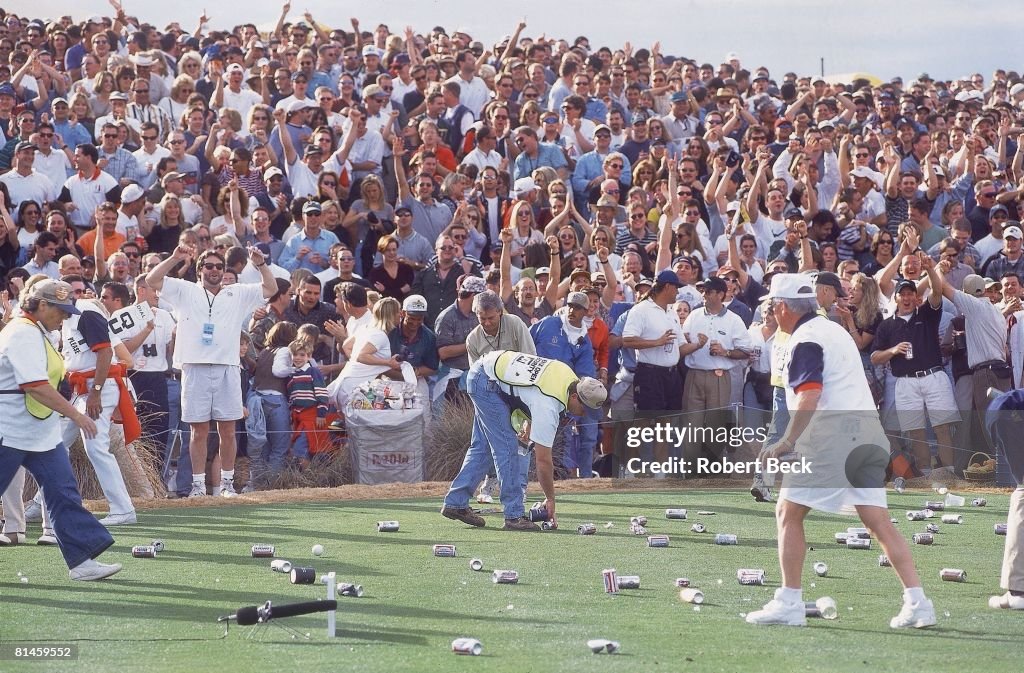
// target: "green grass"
[[415, 604]]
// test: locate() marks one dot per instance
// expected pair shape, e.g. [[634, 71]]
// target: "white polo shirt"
[[194, 306], [23, 361], [647, 320], [725, 327], [87, 193], [32, 187]]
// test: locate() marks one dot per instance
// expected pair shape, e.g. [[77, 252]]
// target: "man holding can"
[[517, 397], [835, 432]]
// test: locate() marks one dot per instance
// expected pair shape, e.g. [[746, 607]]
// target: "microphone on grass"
[[252, 614]]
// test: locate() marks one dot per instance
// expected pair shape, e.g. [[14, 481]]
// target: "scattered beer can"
[[931, 528], [811, 609], [858, 543], [725, 538], [820, 568], [387, 526], [597, 645], [935, 505], [505, 577], [586, 529], [641, 520], [158, 545], [263, 551], [841, 538], [862, 533], [302, 575], [611, 581], [923, 538], [682, 582], [695, 596], [538, 513], [444, 550], [751, 576], [953, 575], [612, 647], [637, 529], [979, 502], [929, 513], [916, 515], [825, 608], [698, 527], [657, 540], [548, 525], [350, 590], [476, 564], [629, 581], [883, 561], [675, 513], [469, 646], [279, 565], [705, 512], [952, 518], [999, 529], [144, 551]]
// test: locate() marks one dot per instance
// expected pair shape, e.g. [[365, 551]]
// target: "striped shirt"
[[306, 389]]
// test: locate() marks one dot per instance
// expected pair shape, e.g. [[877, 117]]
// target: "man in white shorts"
[[206, 348], [835, 431]]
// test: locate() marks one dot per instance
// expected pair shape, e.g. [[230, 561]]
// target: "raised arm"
[[290, 156], [155, 278], [398, 149], [505, 264], [908, 246], [551, 292]]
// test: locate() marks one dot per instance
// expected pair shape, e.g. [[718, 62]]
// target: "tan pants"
[[1012, 578], [705, 405]]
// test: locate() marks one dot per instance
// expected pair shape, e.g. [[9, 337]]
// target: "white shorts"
[[923, 400], [211, 393]]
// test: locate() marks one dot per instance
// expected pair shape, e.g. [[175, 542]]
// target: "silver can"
[[858, 543], [444, 550], [350, 590], [586, 529], [953, 575], [695, 596], [629, 581], [935, 505], [751, 576], [698, 527], [841, 538], [725, 538], [862, 533], [548, 525], [637, 529], [932, 528], [929, 513], [279, 565], [657, 540], [640, 519], [476, 564], [263, 551], [883, 561], [916, 515], [910, 351], [675, 513], [923, 538], [820, 568], [144, 551], [158, 545], [387, 526], [505, 577], [470, 646], [952, 518], [979, 502]]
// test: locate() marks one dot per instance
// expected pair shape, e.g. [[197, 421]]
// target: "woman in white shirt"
[[371, 353]]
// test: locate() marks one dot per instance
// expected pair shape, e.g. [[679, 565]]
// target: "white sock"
[[789, 595], [913, 595], [199, 479], [227, 476]]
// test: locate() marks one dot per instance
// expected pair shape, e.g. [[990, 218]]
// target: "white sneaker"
[[33, 512], [93, 570], [119, 519], [914, 616], [47, 539], [227, 490], [8, 539], [779, 612], [198, 491]]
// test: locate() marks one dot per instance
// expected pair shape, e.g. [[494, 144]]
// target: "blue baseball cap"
[[668, 277]]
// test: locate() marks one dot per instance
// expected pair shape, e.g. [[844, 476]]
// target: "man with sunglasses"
[[206, 346], [595, 167]]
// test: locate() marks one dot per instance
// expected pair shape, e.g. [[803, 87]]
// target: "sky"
[[947, 39]]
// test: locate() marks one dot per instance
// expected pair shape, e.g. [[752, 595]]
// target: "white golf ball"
[[318, 549]]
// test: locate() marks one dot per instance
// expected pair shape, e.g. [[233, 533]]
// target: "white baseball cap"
[[792, 286], [591, 392], [131, 194], [415, 304]]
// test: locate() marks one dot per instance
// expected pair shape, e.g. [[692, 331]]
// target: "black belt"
[[647, 365], [921, 374], [991, 364]]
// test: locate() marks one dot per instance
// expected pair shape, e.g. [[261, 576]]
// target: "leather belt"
[[923, 373]]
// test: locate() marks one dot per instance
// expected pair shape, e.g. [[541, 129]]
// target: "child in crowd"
[[307, 400]]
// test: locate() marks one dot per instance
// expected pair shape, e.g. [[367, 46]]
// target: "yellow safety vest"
[[551, 377], [54, 373]]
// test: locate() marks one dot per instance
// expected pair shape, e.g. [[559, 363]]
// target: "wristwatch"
[[96, 387]]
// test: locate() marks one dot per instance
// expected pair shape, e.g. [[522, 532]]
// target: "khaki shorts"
[[211, 393]]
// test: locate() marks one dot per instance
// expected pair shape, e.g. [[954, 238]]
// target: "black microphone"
[[252, 614]]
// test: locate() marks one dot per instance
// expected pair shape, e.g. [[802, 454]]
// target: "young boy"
[[307, 400]]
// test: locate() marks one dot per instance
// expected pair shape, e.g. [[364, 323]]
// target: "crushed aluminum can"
[[929, 513], [675, 513], [858, 543], [862, 533], [883, 561], [586, 529], [682, 582], [820, 568], [842, 538], [505, 577], [698, 528], [611, 581], [751, 576], [444, 550], [979, 502], [387, 526], [470, 646], [952, 518], [476, 564], [935, 505], [932, 528], [637, 529], [641, 520], [725, 538], [916, 515], [629, 581], [350, 590], [923, 538], [548, 525], [695, 596], [158, 545], [279, 565], [144, 551], [999, 529], [657, 540], [302, 575], [953, 575], [263, 551]]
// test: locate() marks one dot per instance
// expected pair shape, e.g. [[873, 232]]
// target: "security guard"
[[517, 395]]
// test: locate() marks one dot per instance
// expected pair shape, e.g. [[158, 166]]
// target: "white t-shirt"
[[726, 328], [358, 372], [32, 187], [194, 307], [241, 101], [151, 356], [22, 361], [647, 320], [54, 165], [302, 180], [127, 226]]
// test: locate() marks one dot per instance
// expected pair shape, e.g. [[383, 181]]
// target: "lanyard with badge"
[[208, 325]]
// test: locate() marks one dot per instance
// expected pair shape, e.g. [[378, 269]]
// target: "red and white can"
[[144, 551], [751, 576], [611, 580], [923, 538]]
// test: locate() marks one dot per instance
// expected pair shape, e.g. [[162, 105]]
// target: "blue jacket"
[[552, 342]]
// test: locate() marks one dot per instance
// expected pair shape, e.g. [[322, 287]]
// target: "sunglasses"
[[446, 248], [149, 137], [132, 255], [204, 238], [110, 135], [213, 267]]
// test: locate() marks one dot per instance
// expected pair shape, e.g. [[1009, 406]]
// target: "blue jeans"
[[581, 443], [493, 438], [178, 429], [79, 535], [279, 434]]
